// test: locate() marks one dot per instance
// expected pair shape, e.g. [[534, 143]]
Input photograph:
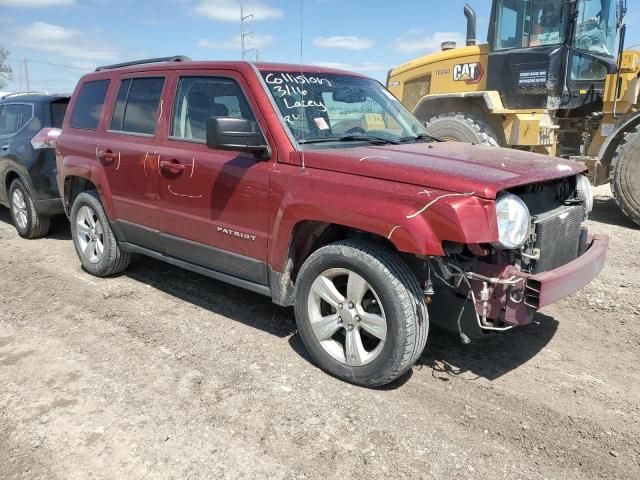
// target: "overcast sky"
[[75, 36]]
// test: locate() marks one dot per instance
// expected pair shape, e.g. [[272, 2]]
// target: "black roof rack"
[[175, 58]]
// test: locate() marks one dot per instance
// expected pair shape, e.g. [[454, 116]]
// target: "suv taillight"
[[46, 138]]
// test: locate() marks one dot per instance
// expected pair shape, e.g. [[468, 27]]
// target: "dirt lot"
[[161, 373]]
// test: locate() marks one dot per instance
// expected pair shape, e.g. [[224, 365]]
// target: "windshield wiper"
[[421, 136], [350, 138]]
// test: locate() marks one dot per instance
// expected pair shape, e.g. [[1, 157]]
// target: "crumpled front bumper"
[[546, 288], [516, 303]]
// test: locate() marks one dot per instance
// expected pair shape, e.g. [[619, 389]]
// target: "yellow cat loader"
[[549, 80]]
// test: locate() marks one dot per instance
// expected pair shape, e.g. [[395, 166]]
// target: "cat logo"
[[470, 73]]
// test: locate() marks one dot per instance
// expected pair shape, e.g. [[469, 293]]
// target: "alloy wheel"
[[89, 234], [347, 317], [19, 207]]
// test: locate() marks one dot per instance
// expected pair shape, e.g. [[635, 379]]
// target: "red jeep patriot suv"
[[317, 188]]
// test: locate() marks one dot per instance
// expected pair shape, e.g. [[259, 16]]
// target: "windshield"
[[530, 23], [596, 26], [340, 107]]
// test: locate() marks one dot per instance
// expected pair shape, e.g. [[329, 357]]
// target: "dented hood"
[[455, 167]]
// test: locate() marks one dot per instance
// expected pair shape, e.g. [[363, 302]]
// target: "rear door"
[[213, 203], [128, 154]]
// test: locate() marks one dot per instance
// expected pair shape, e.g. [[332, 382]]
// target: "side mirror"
[[236, 134]]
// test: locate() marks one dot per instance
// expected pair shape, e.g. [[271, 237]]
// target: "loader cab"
[[552, 54]]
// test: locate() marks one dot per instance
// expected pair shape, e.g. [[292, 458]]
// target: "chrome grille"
[[558, 235]]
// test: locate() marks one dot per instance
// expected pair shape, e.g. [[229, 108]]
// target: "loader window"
[[530, 23], [547, 22], [508, 36], [587, 68], [596, 27]]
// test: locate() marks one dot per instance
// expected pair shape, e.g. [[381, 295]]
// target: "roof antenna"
[[302, 92]]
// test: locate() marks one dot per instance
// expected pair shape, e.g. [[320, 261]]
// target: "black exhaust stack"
[[470, 13]]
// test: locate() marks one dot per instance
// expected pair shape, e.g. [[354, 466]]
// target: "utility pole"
[[26, 75], [243, 33]]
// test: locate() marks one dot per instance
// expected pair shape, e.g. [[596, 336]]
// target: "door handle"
[[6, 147], [173, 166], [106, 155]]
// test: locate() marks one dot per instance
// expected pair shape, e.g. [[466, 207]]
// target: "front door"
[[128, 154], [212, 203]]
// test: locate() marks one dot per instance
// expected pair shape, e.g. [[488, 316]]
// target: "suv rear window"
[[58, 109], [136, 107], [86, 113], [13, 117]]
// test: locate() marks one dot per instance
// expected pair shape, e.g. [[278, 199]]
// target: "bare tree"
[[5, 69]]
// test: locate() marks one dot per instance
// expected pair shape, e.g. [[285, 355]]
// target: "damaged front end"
[[540, 258]]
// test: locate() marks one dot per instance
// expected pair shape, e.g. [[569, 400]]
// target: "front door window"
[[200, 98]]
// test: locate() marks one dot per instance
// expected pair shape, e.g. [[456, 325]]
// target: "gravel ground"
[[161, 373]]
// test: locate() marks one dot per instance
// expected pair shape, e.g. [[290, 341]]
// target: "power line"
[[20, 62]]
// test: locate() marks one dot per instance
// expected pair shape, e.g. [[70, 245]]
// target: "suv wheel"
[[26, 219], [95, 243], [360, 312]]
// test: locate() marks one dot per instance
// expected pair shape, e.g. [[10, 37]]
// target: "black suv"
[[27, 162]]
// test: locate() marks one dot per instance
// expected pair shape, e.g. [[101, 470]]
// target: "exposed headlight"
[[584, 190], [514, 221]]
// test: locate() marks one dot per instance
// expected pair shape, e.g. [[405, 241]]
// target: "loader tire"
[[625, 175], [462, 127]]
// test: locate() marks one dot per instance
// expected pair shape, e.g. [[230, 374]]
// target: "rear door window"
[[13, 117], [86, 113], [137, 103]]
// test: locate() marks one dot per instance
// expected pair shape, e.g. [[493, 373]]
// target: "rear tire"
[[95, 243], [625, 175], [462, 127], [28, 222], [374, 325]]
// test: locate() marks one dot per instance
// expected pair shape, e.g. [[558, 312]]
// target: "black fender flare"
[[15, 171]]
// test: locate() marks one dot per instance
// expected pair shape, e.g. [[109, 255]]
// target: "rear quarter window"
[[58, 110], [86, 113]]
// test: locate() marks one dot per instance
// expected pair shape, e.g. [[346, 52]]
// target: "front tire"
[[360, 312], [625, 176], [28, 222], [462, 127], [95, 243]]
